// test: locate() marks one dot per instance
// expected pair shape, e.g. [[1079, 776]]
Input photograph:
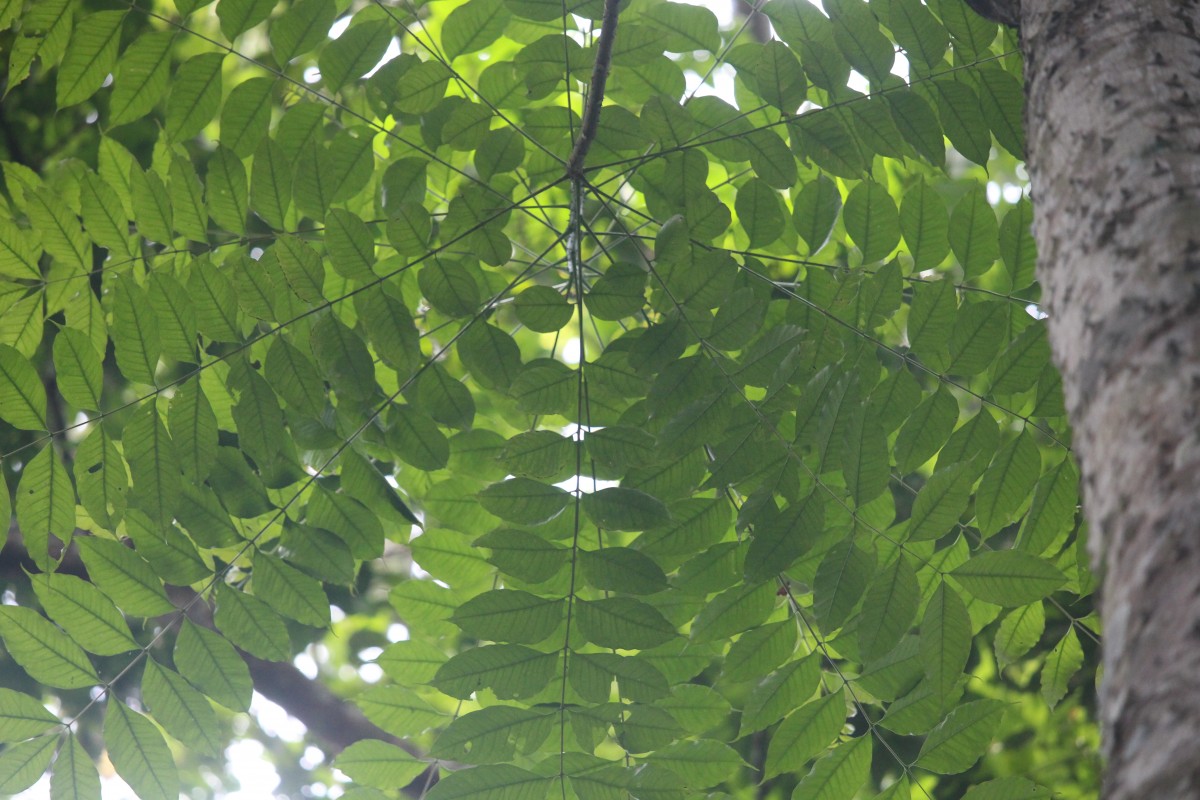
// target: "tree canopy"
[[599, 400]]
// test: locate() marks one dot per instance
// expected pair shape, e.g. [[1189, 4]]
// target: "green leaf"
[[77, 369], [23, 717], [509, 615], [136, 341], [74, 776], [780, 540], [1004, 788], [542, 309], [45, 504], [1017, 246], [181, 710], [473, 26], [622, 622], [865, 459], [18, 252], [212, 665], [682, 27], [226, 189], [1061, 665], [141, 77], [139, 754], [509, 670], [926, 430], [89, 57], [239, 16], [779, 79], [974, 233], [839, 774], [289, 591], [22, 764], [347, 518], [888, 609], [103, 480], [957, 743], [622, 569], [1007, 483], [174, 318], [1022, 363], [450, 288], [620, 509], [945, 642], [46, 653], [978, 336], [1009, 577], [193, 427], [871, 220], [962, 117], [22, 396], [84, 612], [806, 732], [103, 215], [759, 651], [124, 576], [917, 31], [1003, 100], [1052, 511], [733, 611], [1019, 632], [343, 359], [271, 184], [840, 583], [918, 124], [523, 501], [524, 555], [493, 734], [379, 764], [705, 762], [353, 53], [930, 321], [941, 502], [400, 711], [925, 226], [776, 695], [251, 624], [59, 228], [246, 115], [492, 356], [490, 782], [195, 96], [350, 245], [417, 439], [157, 482], [760, 211], [300, 28]]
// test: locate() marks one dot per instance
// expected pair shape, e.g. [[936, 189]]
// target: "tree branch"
[[331, 719], [1006, 12], [591, 112]]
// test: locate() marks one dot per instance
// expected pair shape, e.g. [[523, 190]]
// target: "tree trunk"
[[1114, 154]]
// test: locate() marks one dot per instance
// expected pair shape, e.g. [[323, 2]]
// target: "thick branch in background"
[[1113, 121], [334, 722]]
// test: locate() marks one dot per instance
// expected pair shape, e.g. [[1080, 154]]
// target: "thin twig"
[[591, 112]]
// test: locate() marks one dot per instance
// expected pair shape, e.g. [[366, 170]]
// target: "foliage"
[[734, 458]]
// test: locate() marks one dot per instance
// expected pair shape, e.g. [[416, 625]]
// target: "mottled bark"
[[1114, 154]]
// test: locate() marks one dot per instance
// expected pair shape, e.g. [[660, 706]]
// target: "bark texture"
[[1114, 155]]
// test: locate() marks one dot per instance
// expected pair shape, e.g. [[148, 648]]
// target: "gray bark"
[[1114, 155]]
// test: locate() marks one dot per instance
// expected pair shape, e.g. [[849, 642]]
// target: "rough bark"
[[1114, 155]]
